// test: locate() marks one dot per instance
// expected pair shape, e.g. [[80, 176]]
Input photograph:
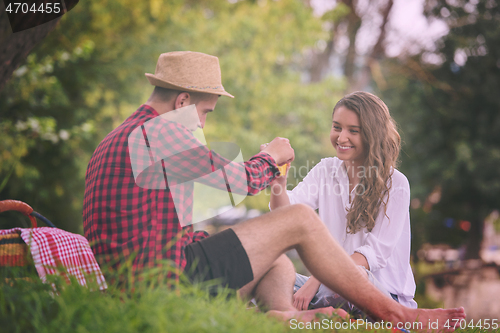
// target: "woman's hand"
[[279, 197], [305, 294], [281, 179]]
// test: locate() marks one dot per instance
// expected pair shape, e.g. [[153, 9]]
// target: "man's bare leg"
[[267, 237], [275, 289]]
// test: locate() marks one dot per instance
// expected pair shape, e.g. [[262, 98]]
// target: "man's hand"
[[281, 179], [305, 294], [280, 150]]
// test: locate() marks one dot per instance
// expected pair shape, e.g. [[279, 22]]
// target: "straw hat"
[[188, 71]]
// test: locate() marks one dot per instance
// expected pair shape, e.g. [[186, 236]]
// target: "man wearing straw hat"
[[138, 197]]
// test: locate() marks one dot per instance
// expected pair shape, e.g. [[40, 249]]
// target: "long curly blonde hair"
[[382, 144]]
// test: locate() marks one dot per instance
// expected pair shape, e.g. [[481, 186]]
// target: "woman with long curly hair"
[[361, 198]]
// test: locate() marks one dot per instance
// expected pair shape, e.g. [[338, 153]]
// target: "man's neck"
[[160, 107]]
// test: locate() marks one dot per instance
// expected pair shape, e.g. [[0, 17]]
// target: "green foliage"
[[87, 76], [451, 124], [337, 13], [41, 140]]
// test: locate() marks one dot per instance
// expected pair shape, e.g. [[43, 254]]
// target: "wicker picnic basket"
[[13, 250]]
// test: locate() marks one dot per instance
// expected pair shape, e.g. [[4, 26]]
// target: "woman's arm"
[[306, 192], [360, 260], [305, 294], [382, 241], [279, 196]]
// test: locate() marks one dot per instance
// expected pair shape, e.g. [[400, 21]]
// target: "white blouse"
[[387, 246]]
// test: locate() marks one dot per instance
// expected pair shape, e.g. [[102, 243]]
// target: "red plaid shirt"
[[124, 216]]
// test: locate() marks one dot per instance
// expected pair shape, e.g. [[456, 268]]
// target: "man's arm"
[[164, 147]]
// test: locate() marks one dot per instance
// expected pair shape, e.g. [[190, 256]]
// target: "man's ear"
[[182, 100]]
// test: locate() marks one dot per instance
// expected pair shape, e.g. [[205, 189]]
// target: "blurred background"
[[65, 84]]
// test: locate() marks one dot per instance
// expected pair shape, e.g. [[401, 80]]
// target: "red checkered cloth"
[[53, 248]]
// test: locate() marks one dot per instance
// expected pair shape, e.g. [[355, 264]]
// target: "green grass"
[[31, 306]]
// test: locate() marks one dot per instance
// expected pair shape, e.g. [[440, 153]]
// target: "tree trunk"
[[353, 25], [15, 47], [321, 61], [371, 68], [475, 239]]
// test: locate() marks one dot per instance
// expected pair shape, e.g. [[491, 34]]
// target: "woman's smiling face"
[[346, 136]]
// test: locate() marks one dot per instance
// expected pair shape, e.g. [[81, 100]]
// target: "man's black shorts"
[[220, 257]]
